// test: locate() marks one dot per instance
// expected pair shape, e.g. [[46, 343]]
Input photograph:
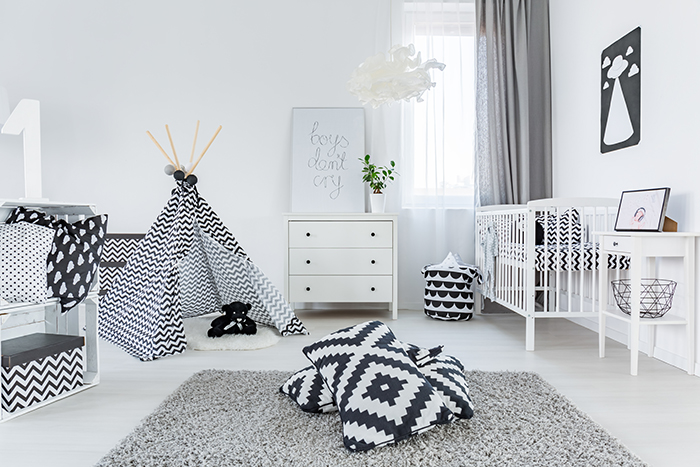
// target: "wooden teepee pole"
[[162, 150], [203, 152], [196, 131], [177, 167]]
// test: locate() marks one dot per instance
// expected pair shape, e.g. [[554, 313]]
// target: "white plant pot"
[[377, 201]]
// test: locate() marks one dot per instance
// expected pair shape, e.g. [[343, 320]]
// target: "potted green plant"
[[378, 177]]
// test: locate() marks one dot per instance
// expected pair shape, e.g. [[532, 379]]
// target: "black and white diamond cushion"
[[445, 374], [23, 252], [419, 355], [381, 394], [307, 388], [75, 254]]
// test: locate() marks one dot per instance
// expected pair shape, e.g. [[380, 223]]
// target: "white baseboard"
[[665, 356], [411, 305]]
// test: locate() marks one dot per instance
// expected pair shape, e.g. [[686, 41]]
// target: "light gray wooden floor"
[[656, 414]]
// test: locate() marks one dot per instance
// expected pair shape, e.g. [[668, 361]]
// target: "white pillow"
[[24, 249]]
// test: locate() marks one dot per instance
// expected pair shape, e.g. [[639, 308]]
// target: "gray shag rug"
[[239, 418]]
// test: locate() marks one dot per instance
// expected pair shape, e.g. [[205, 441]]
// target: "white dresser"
[[342, 258]]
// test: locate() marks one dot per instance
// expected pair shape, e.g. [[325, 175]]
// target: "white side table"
[[650, 245]]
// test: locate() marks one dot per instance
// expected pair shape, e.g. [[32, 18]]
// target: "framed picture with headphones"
[[642, 210]]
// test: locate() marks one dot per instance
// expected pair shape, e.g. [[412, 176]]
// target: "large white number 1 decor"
[[25, 118]]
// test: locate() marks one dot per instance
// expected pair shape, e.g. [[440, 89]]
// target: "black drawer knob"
[[373, 261], [372, 289], [308, 289], [308, 234], [308, 261], [373, 234]]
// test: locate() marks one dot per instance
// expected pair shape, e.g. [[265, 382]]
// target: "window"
[[439, 132]]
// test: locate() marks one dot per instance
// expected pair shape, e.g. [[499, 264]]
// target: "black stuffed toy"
[[235, 321]]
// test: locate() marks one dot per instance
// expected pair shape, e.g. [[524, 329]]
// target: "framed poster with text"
[[327, 144]]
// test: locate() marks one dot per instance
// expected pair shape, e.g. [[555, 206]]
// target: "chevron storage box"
[[448, 289], [38, 367]]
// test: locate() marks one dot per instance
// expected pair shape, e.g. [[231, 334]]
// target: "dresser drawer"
[[340, 234], [617, 244], [340, 288], [317, 261]]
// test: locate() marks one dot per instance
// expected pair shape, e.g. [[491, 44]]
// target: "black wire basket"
[[655, 299]]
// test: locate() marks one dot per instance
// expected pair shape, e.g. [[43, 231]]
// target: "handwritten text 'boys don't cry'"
[[328, 160]]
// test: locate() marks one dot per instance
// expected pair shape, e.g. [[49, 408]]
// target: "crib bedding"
[[565, 257], [552, 240]]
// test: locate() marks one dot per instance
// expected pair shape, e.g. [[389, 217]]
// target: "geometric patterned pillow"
[[23, 252], [307, 388], [421, 356], [381, 394], [446, 375], [74, 258], [557, 228]]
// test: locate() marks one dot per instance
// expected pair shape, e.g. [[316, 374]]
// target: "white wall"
[[668, 154], [107, 71]]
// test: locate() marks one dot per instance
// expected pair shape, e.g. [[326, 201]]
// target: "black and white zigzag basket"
[[25, 383], [448, 289]]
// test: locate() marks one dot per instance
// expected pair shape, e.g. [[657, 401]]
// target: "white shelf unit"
[[342, 258], [641, 246], [19, 319]]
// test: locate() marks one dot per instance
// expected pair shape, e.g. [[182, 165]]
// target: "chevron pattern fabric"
[[169, 328], [282, 316], [558, 229], [198, 292], [231, 275], [210, 223], [118, 247], [107, 276], [294, 326], [138, 302], [39, 380], [575, 257], [381, 394], [187, 264], [235, 283], [115, 253], [557, 257]]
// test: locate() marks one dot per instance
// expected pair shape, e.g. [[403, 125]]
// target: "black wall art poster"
[[620, 96]]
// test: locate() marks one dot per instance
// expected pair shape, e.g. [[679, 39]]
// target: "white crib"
[[541, 260]]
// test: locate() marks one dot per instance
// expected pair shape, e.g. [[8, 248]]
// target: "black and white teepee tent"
[[188, 264]]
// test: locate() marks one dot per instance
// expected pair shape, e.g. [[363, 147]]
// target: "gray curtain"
[[513, 99]]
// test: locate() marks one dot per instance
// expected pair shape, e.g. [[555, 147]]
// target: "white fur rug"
[[197, 339]]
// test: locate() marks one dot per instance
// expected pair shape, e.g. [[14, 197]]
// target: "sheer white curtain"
[[440, 134], [436, 141]]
